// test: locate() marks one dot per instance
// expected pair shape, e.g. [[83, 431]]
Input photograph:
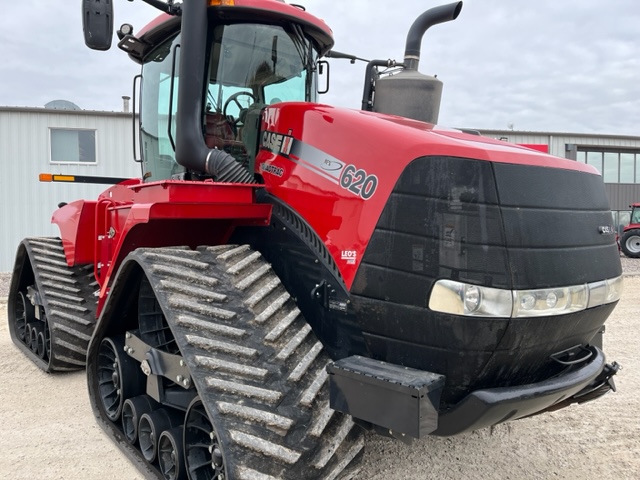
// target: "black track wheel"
[[41, 349], [151, 427], [202, 452], [119, 376], [33, 337], [132, 411], [23, 314], [630, 243], [171, 454]]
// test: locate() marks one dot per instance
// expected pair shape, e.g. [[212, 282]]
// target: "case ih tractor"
[[286, 274], [630, 241]]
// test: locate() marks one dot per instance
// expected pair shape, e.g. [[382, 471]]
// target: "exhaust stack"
[[433, 16], [411, 94]]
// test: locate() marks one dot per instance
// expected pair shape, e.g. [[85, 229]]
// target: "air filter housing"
[[409, 94]]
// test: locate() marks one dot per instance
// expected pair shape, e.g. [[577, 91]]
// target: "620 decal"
[[359, 182]]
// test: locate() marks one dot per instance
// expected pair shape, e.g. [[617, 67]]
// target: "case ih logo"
[[277, 143]]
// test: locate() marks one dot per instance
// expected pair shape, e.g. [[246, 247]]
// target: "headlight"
[[459, 298], [472, 300], [546, 302]]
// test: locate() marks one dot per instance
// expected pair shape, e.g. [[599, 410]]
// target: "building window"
[[627, 168], [73, 146], [615, 166], [595, 159], [611, 173]]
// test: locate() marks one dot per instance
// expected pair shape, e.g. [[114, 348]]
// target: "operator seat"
[[218, 131]]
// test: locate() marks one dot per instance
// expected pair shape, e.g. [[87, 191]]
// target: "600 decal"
[[359, 182]]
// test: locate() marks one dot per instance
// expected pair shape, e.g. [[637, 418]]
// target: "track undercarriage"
[[51, 306], [203, 367]]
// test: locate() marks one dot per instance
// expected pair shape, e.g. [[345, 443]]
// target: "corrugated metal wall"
[[26, 204], [557, 142]]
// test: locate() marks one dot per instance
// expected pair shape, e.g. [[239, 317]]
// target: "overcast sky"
[[543, 65]]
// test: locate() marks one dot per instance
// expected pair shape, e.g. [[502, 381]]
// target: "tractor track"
[[257, 366], [67, 299]]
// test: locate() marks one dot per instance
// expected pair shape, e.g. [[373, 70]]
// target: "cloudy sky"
[[543, 65]]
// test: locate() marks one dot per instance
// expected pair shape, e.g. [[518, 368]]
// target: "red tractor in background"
[[286, 274], [630, 240]]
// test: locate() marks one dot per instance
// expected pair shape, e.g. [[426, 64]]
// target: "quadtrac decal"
[[349, 177]]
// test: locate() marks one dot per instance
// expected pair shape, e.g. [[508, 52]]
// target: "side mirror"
[[97, 23], [324, 75]]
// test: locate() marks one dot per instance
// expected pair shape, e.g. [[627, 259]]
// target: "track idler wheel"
[[41, 349], [35, 333], [203, 455], [151, 427], [132, 411], [118, 376], [171, 454], [24, 313]]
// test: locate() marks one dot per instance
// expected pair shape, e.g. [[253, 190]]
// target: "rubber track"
[[258, 367], [69, 302]]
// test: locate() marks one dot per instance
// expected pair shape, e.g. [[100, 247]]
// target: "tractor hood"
[[382, 184]]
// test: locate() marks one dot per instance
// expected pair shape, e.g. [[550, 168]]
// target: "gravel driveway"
[[47, 429]]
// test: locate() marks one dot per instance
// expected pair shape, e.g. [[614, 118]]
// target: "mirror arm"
[[167, 7]]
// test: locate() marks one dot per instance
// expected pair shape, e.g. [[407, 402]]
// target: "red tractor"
[[630, 240], [286, 274]]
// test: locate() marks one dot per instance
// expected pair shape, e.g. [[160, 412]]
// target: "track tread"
[[259, 372], [68, 299]]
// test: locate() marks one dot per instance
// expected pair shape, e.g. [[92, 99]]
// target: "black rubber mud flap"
[[259, 370], [52, 307]]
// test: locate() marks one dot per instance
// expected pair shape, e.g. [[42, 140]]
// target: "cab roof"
[[275, 12]]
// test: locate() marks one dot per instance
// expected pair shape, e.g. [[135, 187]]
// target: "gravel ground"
[[47, 429], [5, 278]]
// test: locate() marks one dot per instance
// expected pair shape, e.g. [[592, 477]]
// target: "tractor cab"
[[249, 66], [203, 87]]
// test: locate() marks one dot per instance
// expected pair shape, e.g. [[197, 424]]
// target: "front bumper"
[[484, 408], [479, 409]]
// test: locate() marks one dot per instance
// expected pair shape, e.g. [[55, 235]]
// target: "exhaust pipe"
[[411, 94], [433, 16]]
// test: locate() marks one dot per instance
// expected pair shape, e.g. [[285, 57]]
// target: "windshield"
[[261, 64]]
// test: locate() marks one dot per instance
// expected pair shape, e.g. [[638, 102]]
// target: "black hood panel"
[[498, 225], [556, 226]]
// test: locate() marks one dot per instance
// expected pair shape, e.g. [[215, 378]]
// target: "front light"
[[546, 302], [471, 300], [459, 298], [607, 291]]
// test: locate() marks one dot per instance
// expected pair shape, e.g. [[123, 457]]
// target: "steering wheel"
[[234, 99]]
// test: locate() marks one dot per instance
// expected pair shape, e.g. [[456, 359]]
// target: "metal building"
[[49, 140]]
